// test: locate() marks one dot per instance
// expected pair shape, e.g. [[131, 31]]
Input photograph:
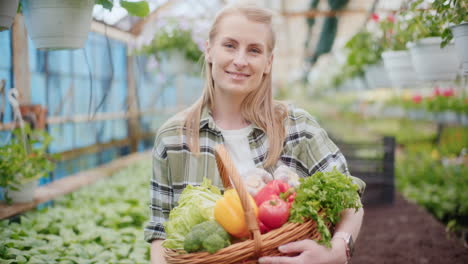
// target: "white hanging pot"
[[8, 10], [58, 24], [376, 76], [399, 68], [460, 35], [174, 62], [433, 63], [25, 192]]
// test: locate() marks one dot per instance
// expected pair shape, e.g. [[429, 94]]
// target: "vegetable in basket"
[[229, 213], [274, 189], [273, 214], [207, 236], [196, 205], [322, 197]]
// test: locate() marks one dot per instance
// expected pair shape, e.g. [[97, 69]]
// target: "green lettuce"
[[196, 205]]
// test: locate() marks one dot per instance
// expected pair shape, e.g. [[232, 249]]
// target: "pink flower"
[[375, 17], [417, 99], [391, 18], [449, 92], [437, 91]]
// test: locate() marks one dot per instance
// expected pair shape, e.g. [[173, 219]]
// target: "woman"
[[237, 109]]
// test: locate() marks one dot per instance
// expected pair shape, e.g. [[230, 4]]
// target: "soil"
[[405, 233]]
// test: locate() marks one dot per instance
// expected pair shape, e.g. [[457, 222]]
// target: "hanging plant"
[[452, 12], [25, 158], [170, 38]]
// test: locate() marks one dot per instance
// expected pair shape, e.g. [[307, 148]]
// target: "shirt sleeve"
[[321, 154], [161, 194]]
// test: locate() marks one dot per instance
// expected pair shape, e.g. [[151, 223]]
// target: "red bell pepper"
[[273, 190], [273, 214]]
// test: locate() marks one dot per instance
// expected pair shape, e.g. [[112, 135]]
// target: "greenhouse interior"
[[116, 147]]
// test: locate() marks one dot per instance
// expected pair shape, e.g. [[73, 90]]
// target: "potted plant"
[[375, 74], [175, 48], [455, 13], [23, 161], [7, 13], [431, 62], [363, 49], [64, 24], [396, 57]]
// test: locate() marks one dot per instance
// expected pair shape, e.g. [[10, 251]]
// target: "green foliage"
[[140, 8], [434, 23], [173, 38], [23, 161], [440, 189], [395, 33], [322, 197], [452, 141], [102, 223], [364, 49], [452, 12]]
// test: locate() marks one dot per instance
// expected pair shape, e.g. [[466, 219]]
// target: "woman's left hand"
[[310, 252]]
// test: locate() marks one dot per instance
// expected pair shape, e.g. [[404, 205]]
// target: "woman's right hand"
[[157, 252]]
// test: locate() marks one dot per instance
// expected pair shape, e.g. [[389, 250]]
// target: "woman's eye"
[[228, 45], [256, 51]]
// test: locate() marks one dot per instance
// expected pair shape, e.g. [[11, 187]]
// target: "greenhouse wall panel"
[[6, 69]]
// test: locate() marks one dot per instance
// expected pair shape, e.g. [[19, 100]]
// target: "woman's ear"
[[269, 64], [207, 51]]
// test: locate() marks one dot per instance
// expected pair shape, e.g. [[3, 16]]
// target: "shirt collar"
[[206, 119]]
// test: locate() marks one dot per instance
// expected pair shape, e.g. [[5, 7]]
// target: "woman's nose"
[[240, 60]]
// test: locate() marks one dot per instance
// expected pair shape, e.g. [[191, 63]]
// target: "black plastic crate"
[[374, 163]]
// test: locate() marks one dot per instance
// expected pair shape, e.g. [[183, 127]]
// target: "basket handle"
[[228, 171]]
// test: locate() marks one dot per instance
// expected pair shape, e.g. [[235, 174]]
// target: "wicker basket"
[[247, 251]]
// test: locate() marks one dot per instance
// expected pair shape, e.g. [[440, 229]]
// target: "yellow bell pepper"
[[229, 214]]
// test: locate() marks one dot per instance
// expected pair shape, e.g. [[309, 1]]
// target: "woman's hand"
[[310, 252]]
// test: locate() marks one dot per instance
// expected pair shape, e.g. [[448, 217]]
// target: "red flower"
[[391, 18], [375, 17], [449, 92], [417, 99]]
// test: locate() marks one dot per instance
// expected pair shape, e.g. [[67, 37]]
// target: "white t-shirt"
[[237, 144]]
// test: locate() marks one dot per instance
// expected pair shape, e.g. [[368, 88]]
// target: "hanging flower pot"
[[174, 62], [376, 76], [433, 63], [24, 192], [58, 24], [400, 68], [7, 13], [460, 34]]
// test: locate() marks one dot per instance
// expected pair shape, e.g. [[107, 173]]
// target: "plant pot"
[[399, 68], [8, 10], [460, 35], [174, 62], [433, 63], [25, 192], [58, 24], [376, 76], [36, 115]]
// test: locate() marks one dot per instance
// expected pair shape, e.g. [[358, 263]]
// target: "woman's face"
[[239, 54]]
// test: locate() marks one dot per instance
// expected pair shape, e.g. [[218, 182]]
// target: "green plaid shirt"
[[307, 149]]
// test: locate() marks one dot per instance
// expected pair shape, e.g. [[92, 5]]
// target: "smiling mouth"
[[237, 75]]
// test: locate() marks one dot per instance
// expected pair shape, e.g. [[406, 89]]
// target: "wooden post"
[[132, 102], [21, 60]]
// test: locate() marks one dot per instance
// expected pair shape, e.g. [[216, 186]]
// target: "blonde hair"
[[258, 107]]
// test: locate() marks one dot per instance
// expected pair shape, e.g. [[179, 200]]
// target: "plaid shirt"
[[307, 149]]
